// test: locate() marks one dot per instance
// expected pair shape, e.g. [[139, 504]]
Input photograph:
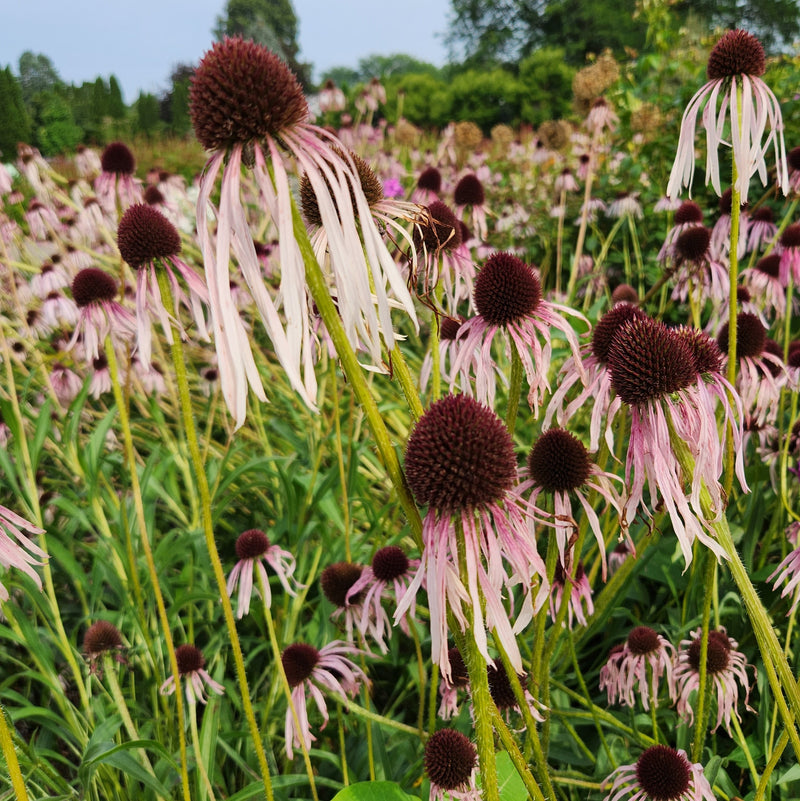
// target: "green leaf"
[[372, 791], [512, 788]]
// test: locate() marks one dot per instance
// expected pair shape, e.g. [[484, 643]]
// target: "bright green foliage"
[[16, 125], [547, 86], [115, 104], [486, 98], [36, 74], [55, 126], [427, 100], [147, 119]]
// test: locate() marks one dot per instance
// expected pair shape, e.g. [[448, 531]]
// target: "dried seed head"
[[241, 93], [642, 641], [506, 289], [751, 336], [559, 461], [92, 285], [736, 53], [370, 184], [337, 579], [118, 159], [100, 637], [189, 658], [389, 563], [647, 361], [469, 191], [251, 544], [438, 229], [450, 758], [459, 456], [608, 325], [145, 234], [299, 661], [663, 773]]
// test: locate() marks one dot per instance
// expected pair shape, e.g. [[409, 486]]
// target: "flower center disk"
[[559, 461], [663, 773], [506, 289]]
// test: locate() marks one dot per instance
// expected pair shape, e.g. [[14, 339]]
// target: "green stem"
[[514, 390], [506, 738], [337, 420], [772, 763], [318, 289], [201, 479], [587, 195], [144, 538], [374, 717], [198, 752], [703, 698], [10, 755], [400, 369], [287, 691]]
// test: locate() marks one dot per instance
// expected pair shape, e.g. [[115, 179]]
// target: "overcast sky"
[[140, 40]]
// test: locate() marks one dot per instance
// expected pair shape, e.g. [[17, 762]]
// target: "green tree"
[[36, 74], [486, 98], [147, 117], [426, 102], [56, 129], [272, 23], [16, 125], [377, 66], [175, 102], [546, 82], [116, 105]]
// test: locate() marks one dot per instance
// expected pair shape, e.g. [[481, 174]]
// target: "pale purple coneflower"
[[42, 220], [99, 314], [508, 296], [601, 117], [66, 383], [559, 465], [6, 183], [763, 280], [660, 774], [726, 669], [761, 228], [687, 214], [789, 569], [450, 685], [428, 187], [192, 669], [149, 242], [580, 594], [503, 693], [469, 194], [625, 204], [87, 162], [640, 664], [16, 549], [734, 68], [52, 276], [248, 108], [450, 763], [665, 204], [460, 462], [721, 232], [100, 381], [790, 254], [597, 387], [58, 311], [389, 571], [150, 375], [761, 373], [437, 233], [101, 639], [92, 221], [699, 276], [117, 180], [653, 371], [336, 581], [253, 549], [331, 97], [310, 673]]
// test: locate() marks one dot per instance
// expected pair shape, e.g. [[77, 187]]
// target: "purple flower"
[[192, 668], [735, 65], [16, 550]]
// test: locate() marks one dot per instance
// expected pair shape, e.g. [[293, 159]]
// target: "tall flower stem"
[[10, 755], [337, 422], [287, 690], [315, 281], [202, 487], [208, 790], [514, 391], [587, 196], [703, 697], [138, 505]]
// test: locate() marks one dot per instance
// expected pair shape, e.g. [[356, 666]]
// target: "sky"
[[140, 41]]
